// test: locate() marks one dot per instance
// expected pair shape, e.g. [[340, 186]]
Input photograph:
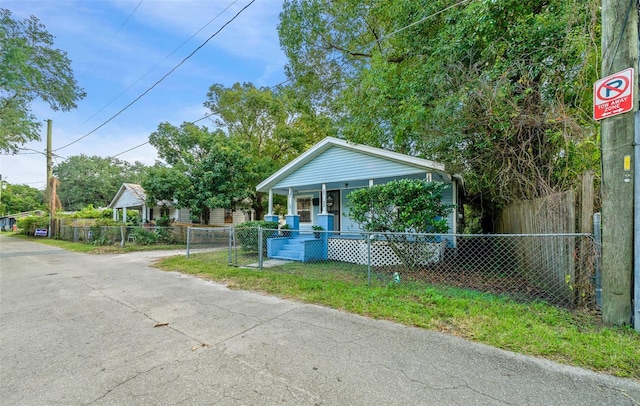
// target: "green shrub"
[[143, 236], [107, 222], [247, 234], [91, 212], [29, 224], [150, 236], [164, 235], [98, 235], [163, 221]]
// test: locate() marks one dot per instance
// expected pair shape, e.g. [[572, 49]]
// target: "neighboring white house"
[[132, 196]]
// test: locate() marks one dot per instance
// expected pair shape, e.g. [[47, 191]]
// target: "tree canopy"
[[202, 169], [257, 130], [30, 68], [499, 90], [93, 180], [20, 198]]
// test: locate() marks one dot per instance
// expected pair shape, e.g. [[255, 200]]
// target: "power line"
[[158, 64], [373, 42], [131, 149], [160, 80], [114, 35], [127, 20], [420, 21], [195, 121]]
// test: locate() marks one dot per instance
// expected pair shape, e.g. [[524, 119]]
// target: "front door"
[[333, 207]]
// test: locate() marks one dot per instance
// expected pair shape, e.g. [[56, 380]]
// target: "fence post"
[[188, 240], [259, 247], [232, 238], [369, 236], [597, 236], [122, 236], [229, 253]]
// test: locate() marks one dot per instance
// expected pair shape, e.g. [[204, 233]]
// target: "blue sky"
[[115, 50]]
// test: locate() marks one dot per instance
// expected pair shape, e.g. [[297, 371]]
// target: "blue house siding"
[[348, 225], [341, 165]]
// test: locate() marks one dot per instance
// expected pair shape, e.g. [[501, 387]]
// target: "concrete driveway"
[[78, 329]]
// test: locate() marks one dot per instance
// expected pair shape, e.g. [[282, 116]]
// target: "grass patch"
[[97, 249], [537, 329]]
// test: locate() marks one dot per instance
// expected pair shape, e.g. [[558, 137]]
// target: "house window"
[[228, 216], [303, 208]]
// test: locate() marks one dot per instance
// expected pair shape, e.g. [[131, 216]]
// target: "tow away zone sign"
[[613, 95]]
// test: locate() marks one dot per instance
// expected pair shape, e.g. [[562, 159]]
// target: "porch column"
[[290, 202], [324, 199], [293, 220], [124, 214], [145, 214], [270, 216], [115, 214], [370, 182]]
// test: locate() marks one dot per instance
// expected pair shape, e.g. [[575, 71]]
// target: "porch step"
[[293, 249]]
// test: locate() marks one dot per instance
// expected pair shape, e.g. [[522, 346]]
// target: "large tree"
[[266, 123], [178, 178], [498, 90], [95, 180], [258, 130], [20, 198], [30, 68]]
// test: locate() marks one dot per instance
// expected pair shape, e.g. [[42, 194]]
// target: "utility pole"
[[49, 190], [619, 52]]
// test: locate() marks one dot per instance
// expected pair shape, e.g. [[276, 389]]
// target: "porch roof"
[[346, 162]]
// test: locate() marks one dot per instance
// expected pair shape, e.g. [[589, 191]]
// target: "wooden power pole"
[[619, 52], [49, 190]]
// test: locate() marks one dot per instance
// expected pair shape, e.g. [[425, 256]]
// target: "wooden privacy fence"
[[571, 263]]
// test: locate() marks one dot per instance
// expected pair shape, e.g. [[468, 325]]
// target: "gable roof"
[[134, 189], [331, 142]]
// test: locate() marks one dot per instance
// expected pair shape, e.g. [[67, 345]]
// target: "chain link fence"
[[123, 235], [207, 239], [555, 268]]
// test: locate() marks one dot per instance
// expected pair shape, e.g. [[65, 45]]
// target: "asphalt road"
[[78, 329]]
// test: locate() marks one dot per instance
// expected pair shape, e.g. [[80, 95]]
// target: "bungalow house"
[[132, 196], [317, 185]]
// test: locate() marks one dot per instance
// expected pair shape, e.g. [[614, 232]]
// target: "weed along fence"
[[122, 235], [555, 268]]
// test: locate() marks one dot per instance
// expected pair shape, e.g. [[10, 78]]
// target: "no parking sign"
[[613, 95]]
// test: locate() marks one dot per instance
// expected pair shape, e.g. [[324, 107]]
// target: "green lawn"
[[98, 249], [570, 337]]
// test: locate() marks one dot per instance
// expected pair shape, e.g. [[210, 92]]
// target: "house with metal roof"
[[132, 196]]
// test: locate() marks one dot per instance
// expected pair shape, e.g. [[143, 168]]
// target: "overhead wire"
[[127, 19], [384, 37], [161, 79], [115, 34], [158, 64]]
